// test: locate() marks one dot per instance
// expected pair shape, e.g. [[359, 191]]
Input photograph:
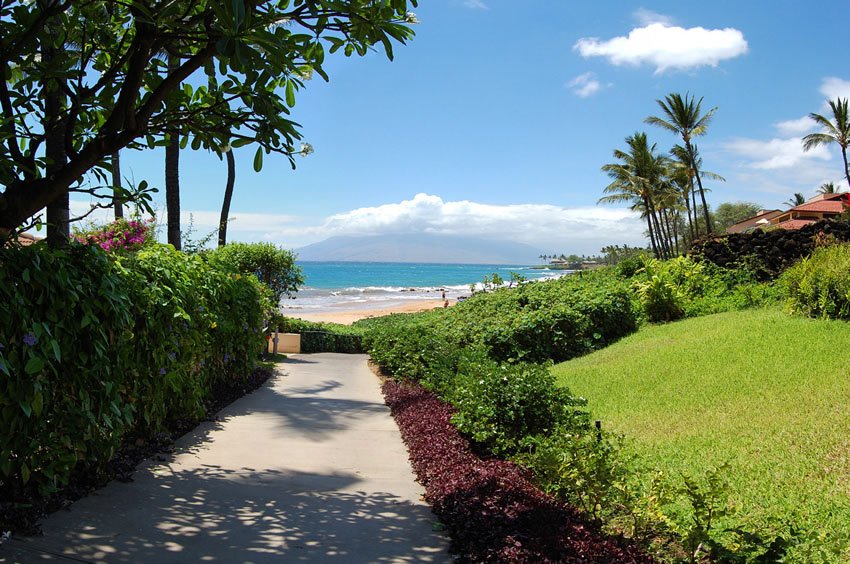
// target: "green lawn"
[[768, 392]]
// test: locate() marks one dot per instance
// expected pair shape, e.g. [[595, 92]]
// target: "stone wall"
[[768, 252]]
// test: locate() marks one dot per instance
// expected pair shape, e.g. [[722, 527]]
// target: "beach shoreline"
[[345, 316]]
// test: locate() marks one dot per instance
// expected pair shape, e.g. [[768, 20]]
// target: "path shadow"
[[217, 515]]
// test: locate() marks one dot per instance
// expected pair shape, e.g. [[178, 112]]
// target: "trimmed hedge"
[[96, 346], [321, 337]]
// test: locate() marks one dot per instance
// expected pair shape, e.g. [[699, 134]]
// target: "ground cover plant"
[[760, 391], [491, 509]]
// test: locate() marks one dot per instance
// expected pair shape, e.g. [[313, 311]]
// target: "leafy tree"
[[796, 200], [683, 117], [253, 56], [272, 266], [837, 131], [730, 213]]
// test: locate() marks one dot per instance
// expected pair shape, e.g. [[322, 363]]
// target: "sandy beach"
[[349, 316]]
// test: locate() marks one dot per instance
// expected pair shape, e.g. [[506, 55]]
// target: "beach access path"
[[309, 468]]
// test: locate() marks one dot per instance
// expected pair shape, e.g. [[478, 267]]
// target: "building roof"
[[792, 224], [835, 205], [754, 221]]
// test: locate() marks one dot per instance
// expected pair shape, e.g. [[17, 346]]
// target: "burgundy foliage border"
[[490, 508]]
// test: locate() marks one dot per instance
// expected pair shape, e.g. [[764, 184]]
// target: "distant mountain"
[[420, 248]]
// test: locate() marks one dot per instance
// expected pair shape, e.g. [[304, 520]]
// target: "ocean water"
[[331, 286]]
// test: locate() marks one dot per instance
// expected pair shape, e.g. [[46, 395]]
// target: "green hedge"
[[321, 337], [95, 346]]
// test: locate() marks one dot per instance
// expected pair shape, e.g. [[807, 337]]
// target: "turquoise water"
[[353, 285]]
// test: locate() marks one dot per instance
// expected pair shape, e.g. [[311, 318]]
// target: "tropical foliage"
[[835, 131], [252, 57], [94, 346]]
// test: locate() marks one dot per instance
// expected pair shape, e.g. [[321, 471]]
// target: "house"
[[820, 207], [761, 219]]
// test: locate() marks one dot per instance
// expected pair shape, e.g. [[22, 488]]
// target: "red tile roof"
[[795, 223], [823, 206]]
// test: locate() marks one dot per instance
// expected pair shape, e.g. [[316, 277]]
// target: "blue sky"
[[495, 120]]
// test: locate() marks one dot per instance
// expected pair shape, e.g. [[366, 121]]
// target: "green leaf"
[[25, 407], [25, 473], [258, 160], [290, 93], [34, 365], [38, 403], [57, 354]]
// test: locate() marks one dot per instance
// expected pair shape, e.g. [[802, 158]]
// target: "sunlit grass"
[[767, 392]]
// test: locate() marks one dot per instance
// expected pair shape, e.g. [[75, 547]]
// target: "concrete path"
[[309, 468]]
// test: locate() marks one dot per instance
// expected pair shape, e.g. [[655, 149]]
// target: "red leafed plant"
[[490, 508]]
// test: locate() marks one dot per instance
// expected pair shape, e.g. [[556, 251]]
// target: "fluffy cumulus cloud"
[[585, 85], [541, 225], [799, 126], [833, 88], [775, 153], [667, 46]]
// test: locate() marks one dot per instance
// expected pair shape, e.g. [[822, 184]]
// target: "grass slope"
[[765, 391]]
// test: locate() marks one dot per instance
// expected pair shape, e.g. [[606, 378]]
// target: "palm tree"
[[172, 175], [635, 180], [55, 124], [837, 132], [796, 200], [117, 204], [228, 195], [828, 188], [684, 118]]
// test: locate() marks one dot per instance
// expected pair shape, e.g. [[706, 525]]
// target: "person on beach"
[[444, 293]]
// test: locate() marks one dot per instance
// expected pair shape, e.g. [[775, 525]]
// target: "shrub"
[[273, 266], [819, 286], [500, 405], [490, 508], [95, 346], [119, 235]]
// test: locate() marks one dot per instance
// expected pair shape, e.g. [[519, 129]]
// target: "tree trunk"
[[172, 176], [649, 228], [117, 204], [695, 208], [709, 228], [228, 195], [58, 209], [846, 166]]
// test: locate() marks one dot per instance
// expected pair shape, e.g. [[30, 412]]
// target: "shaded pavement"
[[309, 468]]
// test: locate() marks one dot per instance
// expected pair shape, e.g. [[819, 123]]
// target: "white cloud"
[[476, 4], [799, 126], [583, 229], [775, 153], [645, 17], [585, 85], [833, 87], [667, 47]]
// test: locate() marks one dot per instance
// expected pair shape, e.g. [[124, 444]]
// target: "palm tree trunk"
[[172, 176], [709, 228], [646, 208], [846, 166], [228, 195], [658, 233], [58, 211], [695, 208], [117, 204], [688, 209]]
